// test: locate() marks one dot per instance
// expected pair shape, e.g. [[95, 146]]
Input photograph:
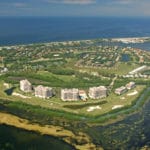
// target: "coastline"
[[124, 40]]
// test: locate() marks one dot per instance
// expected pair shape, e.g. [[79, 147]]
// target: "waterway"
[[132, 133], [125, 57], [12, 138]]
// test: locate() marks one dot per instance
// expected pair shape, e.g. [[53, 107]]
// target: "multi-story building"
[[43, 92], [121, 90], [25, 86], [97, 92], [130, 85], [70, 94]]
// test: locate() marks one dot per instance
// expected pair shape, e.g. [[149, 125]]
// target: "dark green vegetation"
[[79, 106], [79, 80], [12, 138]]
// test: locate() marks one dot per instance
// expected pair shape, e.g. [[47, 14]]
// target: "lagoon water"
[[12, 138], [25, 30], [132, 133]]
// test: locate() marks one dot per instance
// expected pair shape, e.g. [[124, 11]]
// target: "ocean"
[[26, 30]]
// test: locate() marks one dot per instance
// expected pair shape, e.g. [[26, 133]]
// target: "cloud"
[[130, 2], [19, 5], [16, 4], [74, 7], [77, 2]]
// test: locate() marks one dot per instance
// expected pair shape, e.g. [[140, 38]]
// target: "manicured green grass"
[[65, 78], [121, 68], [59, 81]]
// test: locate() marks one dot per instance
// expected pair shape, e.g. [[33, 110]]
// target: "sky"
[[81, 8]]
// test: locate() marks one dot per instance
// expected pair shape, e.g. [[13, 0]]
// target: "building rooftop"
[[25, 82], [121, 88], [43, 87], [70, 90], [99, 87]]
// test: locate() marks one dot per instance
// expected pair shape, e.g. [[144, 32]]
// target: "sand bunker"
[[117, 106], [92, 108], [6, 85], [20, 95], [133, 93]]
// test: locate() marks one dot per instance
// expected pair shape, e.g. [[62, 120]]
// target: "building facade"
[[43, 92], [97, 92], [121, 90], [70, 94], [25, 86]]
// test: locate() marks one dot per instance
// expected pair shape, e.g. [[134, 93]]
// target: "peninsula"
[[90, 82]]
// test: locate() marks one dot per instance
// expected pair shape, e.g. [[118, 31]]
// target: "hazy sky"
[[74, 7]]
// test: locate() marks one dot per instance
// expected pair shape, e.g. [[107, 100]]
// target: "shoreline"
[[125, 40]]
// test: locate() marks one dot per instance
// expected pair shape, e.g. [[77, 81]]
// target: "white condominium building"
[[43, 92], [25, 86], [97, 92], [70, 94], [130, 85], [121, 90]]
